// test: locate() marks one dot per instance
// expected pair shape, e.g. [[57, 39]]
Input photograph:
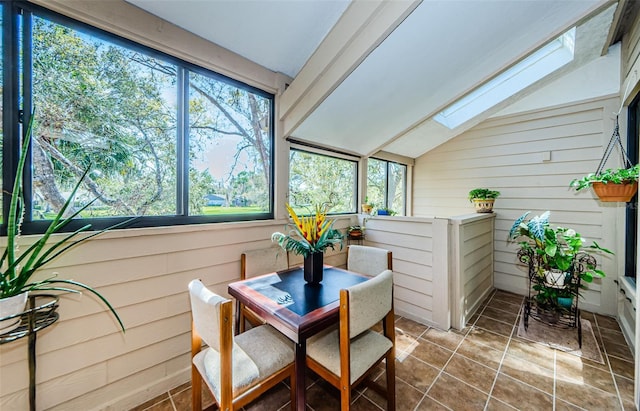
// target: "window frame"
[[14, 115], [320, 151], [386, 183]]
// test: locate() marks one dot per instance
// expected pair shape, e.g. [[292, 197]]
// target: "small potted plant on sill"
[[367, 207], [18, 266], [483, 199], [554, 253], [611, 184], [385, 211]]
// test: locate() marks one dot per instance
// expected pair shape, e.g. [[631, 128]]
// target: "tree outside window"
[[386, 185]]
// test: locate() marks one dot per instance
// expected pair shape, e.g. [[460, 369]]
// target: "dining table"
[[295, 308]]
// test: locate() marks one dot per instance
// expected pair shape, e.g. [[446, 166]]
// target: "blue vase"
[[565, 302]]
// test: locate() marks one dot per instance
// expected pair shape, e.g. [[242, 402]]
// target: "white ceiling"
[[441, 51]]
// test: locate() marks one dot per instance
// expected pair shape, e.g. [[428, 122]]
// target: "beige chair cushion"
[[265, 260], [367, 260], [205, 309], [257, 354], [366, 350], [369, 302]]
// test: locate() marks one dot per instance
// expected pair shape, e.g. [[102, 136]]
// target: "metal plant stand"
[[40, 313], [555, 314]]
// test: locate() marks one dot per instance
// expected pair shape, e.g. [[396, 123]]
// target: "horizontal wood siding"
[[84, 361], [530, 158], [411, 242]]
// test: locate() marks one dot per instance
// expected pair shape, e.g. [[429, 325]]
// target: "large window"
[[322, 178], [164, 140], [387, 185]]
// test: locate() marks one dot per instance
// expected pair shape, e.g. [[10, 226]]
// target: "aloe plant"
[[18, 267]]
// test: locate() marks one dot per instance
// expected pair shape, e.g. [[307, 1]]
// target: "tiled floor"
[[484, 367]]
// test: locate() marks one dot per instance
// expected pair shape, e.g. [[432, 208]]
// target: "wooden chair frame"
[[226, 401], [342, 382], [246, 314]]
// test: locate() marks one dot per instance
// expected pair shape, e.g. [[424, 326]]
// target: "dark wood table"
[[295, 308]]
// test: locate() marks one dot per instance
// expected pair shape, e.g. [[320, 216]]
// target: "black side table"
[[40, 313]]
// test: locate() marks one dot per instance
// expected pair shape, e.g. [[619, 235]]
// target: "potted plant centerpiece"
[[483, 199], [310, 237], [611, 184], [555, 253], [18, 266]]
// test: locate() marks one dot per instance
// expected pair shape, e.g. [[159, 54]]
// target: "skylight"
[[534, 67]]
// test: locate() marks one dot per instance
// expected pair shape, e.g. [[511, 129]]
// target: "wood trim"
[[345, 351], [226, 359], [196, 378]]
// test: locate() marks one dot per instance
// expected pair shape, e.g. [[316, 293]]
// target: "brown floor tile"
[[524, 382], [429, 404], [497, 405], [473, 319], [274, 399], [527, 372], [534, 353], [404, 342], [504, 305], [322, 396], [508, 317], [164, 405], [622, 367], [160, 398], [520, 395], [471, 372], [588, 315], [613, 336], [586, 396], [618, 350], [494, 325], [488, 338], [416, 373], [587, 375], [607, 322], [481, 353], [456, 394], [410, 327], [565, 406], [625, 386], [447, 339], [509, 297], [431, 353], [407, 397]]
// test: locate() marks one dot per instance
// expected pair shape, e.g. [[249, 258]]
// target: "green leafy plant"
[[557, 248], [615, 176], [310, 234], [18, 267], [483, 194]]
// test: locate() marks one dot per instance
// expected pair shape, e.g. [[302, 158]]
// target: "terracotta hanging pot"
[[611, 192]]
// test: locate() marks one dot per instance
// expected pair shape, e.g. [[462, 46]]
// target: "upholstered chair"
[[368, 260], [345, 356], [257, 262], [237, 370]]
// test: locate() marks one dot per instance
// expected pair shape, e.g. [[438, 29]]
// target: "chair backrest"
[[369, 302], [205, 309], [368, 260], [263, 261]]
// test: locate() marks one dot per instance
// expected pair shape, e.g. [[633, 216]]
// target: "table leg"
[[236, 331], [301, 367]]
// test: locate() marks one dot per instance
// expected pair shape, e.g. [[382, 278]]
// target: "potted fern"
[[17, 266]]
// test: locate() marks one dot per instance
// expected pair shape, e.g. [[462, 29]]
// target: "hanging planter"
[[612, 185], [611, 192]]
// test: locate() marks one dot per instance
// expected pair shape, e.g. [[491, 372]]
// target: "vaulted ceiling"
[[370, 75]]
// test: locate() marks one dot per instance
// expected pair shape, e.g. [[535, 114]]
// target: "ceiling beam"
[[362, 27]]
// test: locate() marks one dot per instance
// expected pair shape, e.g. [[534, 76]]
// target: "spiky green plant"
[[18, 267]]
